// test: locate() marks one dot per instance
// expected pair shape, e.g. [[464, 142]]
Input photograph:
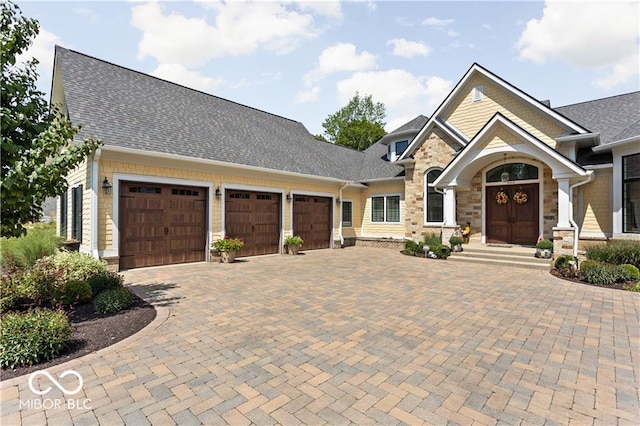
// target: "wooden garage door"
[[312, 221], [254, 217], [161, 224]]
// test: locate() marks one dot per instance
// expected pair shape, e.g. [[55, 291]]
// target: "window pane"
[[377, 209], [346, 213], [63, 215], [76, 213], [517, 171], [393, 209], [631, 194], [434, 199], [400, 147], [631, 167]]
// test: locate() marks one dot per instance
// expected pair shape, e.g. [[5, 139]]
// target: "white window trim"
[[392, 153], [348, 200], [618, 231], [393, 194], [477, 93], [424, 198]]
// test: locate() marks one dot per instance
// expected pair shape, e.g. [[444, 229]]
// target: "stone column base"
[[563, 241], [447, 232]]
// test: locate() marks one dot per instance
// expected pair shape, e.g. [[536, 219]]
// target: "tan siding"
[[469, 117], [370, 228], [596, 205], [80, 176]]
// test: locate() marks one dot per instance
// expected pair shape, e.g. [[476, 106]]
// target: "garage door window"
[[385, 209]]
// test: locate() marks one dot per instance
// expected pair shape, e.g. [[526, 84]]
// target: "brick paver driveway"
[[358, 336]]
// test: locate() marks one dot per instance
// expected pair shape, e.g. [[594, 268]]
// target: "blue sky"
[[305, 60]]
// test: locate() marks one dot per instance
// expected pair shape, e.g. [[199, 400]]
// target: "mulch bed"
[[92, 332], [615, 286]]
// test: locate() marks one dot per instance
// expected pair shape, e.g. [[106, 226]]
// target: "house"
[[180, 168]]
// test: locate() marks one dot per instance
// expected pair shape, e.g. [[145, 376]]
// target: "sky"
[[305, 60]]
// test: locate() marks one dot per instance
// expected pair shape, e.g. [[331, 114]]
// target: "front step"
[[506, 255]]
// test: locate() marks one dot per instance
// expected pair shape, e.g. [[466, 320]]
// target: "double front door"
[[513, 214]]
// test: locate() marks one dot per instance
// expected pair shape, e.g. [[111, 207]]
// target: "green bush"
[[617, 253], [544, 245], [80, 266], [23, 252], [108, 281], [599, 273], [412, 248], [632, 287], [39, 282], [562, 262], [442, 251], [628, 272], [115, 300], [35, 336], [72, 292], [9, 290], [431, 240]]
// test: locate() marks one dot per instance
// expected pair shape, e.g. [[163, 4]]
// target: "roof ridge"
[[178, 84], [599, 99]]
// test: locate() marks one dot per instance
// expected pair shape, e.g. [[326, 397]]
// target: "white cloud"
[[404, 94], [435, 22], [452, 33], [305, 96], [42, 48], [328, 8], [240, 28], [177, 73], [594, 35], [409, 49], [340, 57]]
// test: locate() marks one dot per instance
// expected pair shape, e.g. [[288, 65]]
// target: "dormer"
[[395, 148], [398, 141]]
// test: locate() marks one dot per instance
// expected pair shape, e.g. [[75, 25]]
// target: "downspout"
[[340, 226], [95, 181], [590, 177]]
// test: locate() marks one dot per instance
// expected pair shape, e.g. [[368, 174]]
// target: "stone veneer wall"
[[550, 214], [436, 151], [390, 243]]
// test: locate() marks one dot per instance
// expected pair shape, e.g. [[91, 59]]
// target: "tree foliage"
[[357, 125], [37, 142]]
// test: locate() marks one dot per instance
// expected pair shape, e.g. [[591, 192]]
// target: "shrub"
[[114, 300], [412, 248], [23, 252], [9, 290], [599, 273], [455, 240], [442, 251], [293, 241], [562, 262], [628, 272], [617, 253], [80, 266], [72, 292], [108, 281], [544, 245], [632, 287], [39, 282], [35, 336], [431, 240]]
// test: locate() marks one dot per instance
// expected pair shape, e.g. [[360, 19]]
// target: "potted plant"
[[71, 244], [293, 244], [456, 243], [544, 248], [227, 247]]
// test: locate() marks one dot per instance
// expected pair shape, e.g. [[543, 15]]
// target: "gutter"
[[590, 177], [346, 184], [608, 146]]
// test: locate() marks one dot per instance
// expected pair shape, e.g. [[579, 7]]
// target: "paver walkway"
[[357, 336]]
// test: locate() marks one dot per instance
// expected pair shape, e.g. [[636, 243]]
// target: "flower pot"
[[456, 247], [228, 256], [71, 245], [293, 250], [544, 253]]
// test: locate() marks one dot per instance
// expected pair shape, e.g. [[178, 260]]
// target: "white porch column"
[[564, 215], [449, 206]]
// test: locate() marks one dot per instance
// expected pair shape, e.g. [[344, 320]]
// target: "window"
[[347, 213], [401, 147], [76, 213], [517, 171], [433, 199], [477, 93], [385, 209], [631, 194], [63, 215], [395, 149]]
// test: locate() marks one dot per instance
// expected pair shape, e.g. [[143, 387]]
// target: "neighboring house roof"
[[129, 109], [616, 118]]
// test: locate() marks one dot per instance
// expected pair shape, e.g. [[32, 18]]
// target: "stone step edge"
[[503, 256], [532, 265]]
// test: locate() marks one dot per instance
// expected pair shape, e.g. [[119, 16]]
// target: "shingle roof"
[[615, 118], [415, 124], [129, 109]]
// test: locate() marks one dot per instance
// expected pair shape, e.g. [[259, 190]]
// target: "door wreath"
[[520, 197], [502, 197]]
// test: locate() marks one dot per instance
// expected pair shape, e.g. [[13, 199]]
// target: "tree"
[[37, 147], [358, 125]]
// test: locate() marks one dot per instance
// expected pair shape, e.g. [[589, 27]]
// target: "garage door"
[[312, 221], [161, 224], [254, 217]]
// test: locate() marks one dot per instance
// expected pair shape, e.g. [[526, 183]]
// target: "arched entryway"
[[512, 206]]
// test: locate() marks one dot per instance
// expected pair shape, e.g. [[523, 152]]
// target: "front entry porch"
[[512, 214]]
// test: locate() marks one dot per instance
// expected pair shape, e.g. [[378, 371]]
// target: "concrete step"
[[516, 256]]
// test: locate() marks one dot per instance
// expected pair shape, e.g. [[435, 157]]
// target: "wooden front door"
[[254, 217], [512, 222], [312, 221], [161, 224]]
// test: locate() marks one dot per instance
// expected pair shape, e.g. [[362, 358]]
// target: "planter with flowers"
[[227, 247], [293, 244], [456, 243], [544, 248]]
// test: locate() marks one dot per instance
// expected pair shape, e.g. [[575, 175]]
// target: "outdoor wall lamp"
[[288, 197], [218, 193], [338, 201], [106, 186]]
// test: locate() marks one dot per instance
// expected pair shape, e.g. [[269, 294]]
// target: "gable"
[[468, 116]]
